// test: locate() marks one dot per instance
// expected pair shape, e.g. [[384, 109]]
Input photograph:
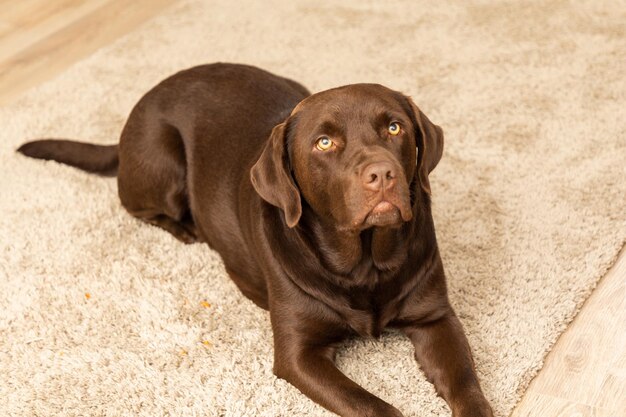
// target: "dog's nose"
[[378, 176]]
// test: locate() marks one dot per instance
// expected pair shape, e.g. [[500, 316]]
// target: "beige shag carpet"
[[103, 315]]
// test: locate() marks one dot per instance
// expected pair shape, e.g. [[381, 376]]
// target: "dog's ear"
[[429, 138], [272, 179]]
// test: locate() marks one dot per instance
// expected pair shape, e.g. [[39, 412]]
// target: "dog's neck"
[[344, 252]]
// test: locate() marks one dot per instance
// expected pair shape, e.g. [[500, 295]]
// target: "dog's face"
[[352, 153]]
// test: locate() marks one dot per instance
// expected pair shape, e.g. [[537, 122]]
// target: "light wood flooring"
[[584, 375]]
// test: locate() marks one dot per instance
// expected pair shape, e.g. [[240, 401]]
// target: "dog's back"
[[187, 148], [202, 128]]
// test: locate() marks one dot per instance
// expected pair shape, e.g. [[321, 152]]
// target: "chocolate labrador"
[[319, 206]]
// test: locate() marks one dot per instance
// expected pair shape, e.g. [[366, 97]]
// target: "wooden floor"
[[584, 375], [40, 38]]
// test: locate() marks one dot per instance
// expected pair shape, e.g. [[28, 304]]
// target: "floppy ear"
[[429, 145], [271, 177]]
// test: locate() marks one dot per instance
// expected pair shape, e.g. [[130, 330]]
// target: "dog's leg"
[[152, 175], [442, 350], [304, 350], [176, 228]]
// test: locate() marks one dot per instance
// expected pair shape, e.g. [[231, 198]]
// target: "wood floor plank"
[[612, 394], [579, 364], [21, 15], [584, 366], [38, 21], [49, 56], [539, 405]]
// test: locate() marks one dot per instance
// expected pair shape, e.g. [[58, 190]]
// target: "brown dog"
[[319, 206]]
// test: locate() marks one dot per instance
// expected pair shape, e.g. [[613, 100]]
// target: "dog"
[[319, 206]]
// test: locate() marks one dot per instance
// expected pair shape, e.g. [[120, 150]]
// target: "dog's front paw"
[[477, 407], [383, 410]]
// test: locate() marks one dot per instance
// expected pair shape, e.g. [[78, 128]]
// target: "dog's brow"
[[330, 128], [334, 109]]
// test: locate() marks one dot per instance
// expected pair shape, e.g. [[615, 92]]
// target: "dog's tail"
[[97, 159]]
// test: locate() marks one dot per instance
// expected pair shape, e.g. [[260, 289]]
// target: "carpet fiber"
[[104, 315]]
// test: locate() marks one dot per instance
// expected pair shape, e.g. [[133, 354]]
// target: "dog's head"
[[352, 154]]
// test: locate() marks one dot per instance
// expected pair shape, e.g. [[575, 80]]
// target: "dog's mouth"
[[385, 208], [386, 212], [383, 214]]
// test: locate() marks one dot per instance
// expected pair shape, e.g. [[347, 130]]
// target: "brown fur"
[[221, 154]]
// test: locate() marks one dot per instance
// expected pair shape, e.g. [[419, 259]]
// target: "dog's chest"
[[371, 307], [365, 323]]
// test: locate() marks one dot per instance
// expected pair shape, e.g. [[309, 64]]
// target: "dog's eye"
[[394, 128], [324, 143]]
